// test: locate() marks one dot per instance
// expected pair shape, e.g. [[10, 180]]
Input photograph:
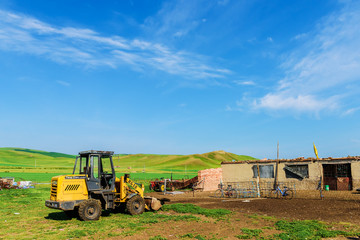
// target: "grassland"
[[40, 166], [24, 216]]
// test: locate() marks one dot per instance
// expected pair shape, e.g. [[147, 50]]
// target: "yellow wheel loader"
[[93, 186]]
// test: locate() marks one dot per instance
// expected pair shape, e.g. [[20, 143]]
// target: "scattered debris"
[[9, 183], [174, 192], [25, 184]]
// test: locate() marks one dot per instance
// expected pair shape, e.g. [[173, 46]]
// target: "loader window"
[[107, 176], [95, 169], [82, 165], [106, 164]]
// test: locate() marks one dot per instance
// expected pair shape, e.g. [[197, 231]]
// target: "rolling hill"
[[28, 158], [21, 157]]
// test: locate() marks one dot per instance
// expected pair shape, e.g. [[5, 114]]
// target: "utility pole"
[[277, 167]]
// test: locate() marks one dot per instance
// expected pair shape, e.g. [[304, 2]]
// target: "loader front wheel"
[[90, 210], [135, 205]]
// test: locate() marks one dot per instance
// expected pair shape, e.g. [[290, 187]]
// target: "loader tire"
[[90, 210], [135, 205]]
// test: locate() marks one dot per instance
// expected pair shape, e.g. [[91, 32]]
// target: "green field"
[[24, 216], [40, 166]]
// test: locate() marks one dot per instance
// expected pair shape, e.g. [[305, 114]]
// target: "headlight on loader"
[[54, 183]]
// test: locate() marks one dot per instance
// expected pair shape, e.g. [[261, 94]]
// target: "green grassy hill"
[[16, 158], [21, 157], [177, 162]]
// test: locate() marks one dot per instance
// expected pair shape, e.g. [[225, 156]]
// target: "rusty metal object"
[[185, 183], [159, 185]]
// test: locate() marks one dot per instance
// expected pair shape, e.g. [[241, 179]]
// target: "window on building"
[[299, 171], [266, 171]]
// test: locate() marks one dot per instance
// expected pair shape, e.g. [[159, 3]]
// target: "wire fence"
[[252, 189]]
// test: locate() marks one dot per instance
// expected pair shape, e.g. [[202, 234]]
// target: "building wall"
[[242, 172], [237, 172], [355, 173]]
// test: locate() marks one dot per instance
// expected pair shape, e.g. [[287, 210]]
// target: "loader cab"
[[98, 169]]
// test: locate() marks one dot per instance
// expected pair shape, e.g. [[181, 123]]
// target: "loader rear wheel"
[[90, 210], [135, 205]]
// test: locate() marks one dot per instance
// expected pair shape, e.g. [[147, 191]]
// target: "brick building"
[[211, 178]]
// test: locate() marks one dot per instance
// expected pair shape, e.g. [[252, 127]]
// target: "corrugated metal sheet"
[[300, 159]]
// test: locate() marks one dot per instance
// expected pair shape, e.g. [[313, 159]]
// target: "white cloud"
[[301, 103], [178, 18], [318, 72], [350, 111], [179, 34], [228, 108], [299, 36], [69, 45], [248, 83]]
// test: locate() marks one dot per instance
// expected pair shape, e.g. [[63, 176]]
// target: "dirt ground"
[[328, 210], [251, 213]]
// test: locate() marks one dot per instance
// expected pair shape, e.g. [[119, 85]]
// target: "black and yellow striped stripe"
[[72, 187]]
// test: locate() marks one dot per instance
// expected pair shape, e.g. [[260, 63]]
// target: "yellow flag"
[[315, 151]]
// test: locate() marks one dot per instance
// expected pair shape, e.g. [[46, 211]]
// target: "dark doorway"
[[338, 176]]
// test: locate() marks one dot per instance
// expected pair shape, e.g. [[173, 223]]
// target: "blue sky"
[[181, 77]]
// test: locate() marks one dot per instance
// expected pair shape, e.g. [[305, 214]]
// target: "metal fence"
[[252, 189]]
